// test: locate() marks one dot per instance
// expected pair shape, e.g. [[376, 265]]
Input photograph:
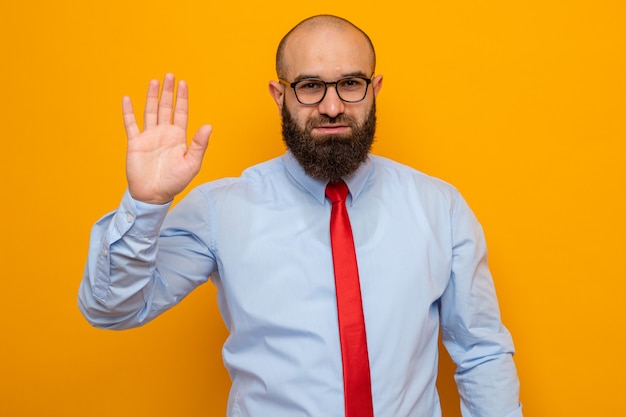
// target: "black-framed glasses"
[[311, 91]]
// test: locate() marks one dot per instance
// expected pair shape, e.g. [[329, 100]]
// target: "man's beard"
[[329, 157]]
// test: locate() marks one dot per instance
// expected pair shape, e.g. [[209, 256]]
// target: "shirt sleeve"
[[141, 263], [472, 331]]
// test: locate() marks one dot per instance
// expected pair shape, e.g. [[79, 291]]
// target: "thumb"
[[200, 142]]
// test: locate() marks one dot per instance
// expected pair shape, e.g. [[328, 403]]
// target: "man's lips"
[[331, 129]]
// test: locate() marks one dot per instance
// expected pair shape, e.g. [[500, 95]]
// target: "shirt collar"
[[355, 181]]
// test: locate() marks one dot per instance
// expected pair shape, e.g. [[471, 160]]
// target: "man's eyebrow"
[[306, 76], [317, 77]]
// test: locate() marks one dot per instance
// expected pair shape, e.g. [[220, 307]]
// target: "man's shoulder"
[[263, 171]]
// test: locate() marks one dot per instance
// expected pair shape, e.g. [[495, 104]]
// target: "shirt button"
[[129, 218], [105, 251]]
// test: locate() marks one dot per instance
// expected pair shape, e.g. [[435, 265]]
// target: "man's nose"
[[332, 106]]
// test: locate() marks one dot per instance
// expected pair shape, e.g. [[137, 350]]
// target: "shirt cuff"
[[136, 218]]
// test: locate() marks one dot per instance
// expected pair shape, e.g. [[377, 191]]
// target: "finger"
[[152, 103], [181, 109], [199, 143], [166, 101], [130, 124]]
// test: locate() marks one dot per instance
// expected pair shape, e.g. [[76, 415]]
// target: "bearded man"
[[285, 242]]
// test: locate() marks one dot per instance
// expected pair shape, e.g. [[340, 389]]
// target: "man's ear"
[[277, 91], [377, 84]]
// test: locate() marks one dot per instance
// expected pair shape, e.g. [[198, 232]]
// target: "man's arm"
[[124, 285], [472, 330]]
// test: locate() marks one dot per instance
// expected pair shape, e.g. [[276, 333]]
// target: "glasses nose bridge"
[[336, 84]]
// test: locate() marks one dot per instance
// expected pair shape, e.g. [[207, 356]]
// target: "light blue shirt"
[[263, 240]]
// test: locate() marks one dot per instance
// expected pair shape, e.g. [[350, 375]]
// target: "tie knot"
[[336, 191]]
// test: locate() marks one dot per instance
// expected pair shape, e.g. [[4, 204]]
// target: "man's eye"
[[309, 85], [352, 83]]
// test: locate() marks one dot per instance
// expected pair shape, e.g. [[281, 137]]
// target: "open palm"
[[159, 162]]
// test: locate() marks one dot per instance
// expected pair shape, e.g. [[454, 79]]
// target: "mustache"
[[323, 120]]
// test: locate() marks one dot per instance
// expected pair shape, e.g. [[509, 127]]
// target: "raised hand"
[[159, 163]]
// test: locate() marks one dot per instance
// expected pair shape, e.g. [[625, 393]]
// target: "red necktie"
[[356, 371]]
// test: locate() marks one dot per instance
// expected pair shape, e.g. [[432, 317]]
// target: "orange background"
[[520, 104]]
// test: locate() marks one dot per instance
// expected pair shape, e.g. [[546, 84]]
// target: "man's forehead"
[[341, 49]]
